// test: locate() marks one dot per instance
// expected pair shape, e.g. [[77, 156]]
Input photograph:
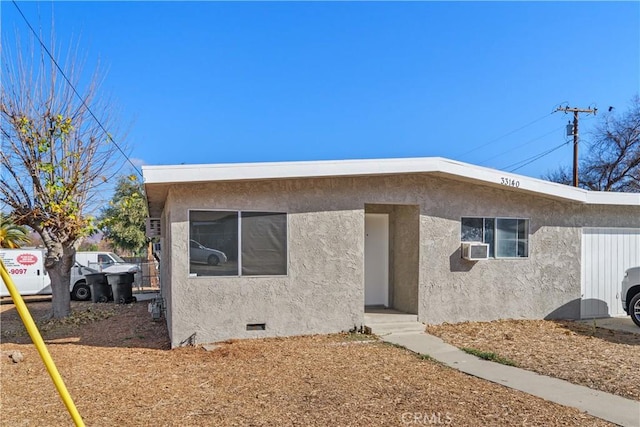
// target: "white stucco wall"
[[324, 289]]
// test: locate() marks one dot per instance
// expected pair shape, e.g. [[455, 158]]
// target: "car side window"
[[103, 259]]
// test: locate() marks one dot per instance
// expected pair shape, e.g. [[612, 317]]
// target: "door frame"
[[376, 263]]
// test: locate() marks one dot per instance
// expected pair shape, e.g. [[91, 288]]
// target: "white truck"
[[26, 267], [105, 262], [630, 293]]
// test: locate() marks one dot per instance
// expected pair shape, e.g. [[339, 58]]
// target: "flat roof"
[[160, 177]]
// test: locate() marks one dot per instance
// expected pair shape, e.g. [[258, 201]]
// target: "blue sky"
[[219, 82]]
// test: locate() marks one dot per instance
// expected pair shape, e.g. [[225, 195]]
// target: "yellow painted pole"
[[34, 333]]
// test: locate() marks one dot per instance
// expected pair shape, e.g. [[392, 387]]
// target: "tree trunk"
[[58, 262]]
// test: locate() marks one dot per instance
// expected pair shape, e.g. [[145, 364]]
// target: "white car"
[[630, 294], [202, 254]]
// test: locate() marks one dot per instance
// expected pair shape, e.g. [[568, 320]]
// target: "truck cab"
[[105, 262]]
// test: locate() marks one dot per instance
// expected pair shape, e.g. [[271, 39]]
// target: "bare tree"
[[612, 162], [55, 154], [562, 175]]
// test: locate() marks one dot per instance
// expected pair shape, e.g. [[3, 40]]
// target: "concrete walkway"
[[609, 407]]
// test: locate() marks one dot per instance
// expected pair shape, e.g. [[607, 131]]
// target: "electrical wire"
[[520, 146], [525, 162], [109, 137], [554, 110], [522, 163], [505, 135]]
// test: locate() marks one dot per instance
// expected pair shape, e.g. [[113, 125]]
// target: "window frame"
[[493, 244], [238, 213]]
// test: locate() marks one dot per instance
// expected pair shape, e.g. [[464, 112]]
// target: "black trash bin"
[[122, 287], [100, 289]]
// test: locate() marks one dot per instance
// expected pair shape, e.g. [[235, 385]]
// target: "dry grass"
[[599, 358], [117, 366]]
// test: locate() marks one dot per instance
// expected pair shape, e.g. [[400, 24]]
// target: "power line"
[[109, 137], [521, 145], [540, 156], [537, 156], [525, 162], [505, 135]]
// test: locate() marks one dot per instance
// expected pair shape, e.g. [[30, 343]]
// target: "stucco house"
[[291, 248]]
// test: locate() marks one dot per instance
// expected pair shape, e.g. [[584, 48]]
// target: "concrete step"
[[373, 318], [395, 327]]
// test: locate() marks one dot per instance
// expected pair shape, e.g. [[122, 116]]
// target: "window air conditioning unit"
[[153, 227], [474, 251]]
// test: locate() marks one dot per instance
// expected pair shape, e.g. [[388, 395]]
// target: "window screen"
[[264, 243]]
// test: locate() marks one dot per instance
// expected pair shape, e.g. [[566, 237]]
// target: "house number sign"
[[510, 182]]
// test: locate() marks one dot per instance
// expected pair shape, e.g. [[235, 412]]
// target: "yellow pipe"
[[34, 333]]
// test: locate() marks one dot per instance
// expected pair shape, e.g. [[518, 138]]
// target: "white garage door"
[[606, 254]]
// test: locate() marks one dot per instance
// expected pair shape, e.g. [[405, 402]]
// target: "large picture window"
[[232, 243], [507, 237]]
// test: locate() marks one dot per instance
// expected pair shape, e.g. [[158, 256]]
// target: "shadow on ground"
[[591, 330], [100, 325]]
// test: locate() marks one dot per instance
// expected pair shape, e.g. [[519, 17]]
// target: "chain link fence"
[[148, 278]]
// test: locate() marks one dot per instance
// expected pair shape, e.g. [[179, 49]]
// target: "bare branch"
[[54, 151]]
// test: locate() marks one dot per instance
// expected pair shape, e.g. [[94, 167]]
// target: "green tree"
[[12, 236], [612, 162], [123, 222], [56, 154]]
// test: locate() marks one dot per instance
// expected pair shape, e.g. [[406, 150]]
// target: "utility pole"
[[576, 111]]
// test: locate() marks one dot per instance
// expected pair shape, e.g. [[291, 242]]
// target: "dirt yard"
[[599, 358], [118, 368]]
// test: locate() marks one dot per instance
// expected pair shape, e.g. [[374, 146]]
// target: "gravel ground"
[[118, 368]]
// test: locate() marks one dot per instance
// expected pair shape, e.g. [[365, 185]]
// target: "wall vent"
[[256, 326]]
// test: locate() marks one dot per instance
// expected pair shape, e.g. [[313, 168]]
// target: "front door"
[[376, 259]]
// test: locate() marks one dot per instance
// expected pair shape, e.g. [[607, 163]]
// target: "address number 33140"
[[510, 182]]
